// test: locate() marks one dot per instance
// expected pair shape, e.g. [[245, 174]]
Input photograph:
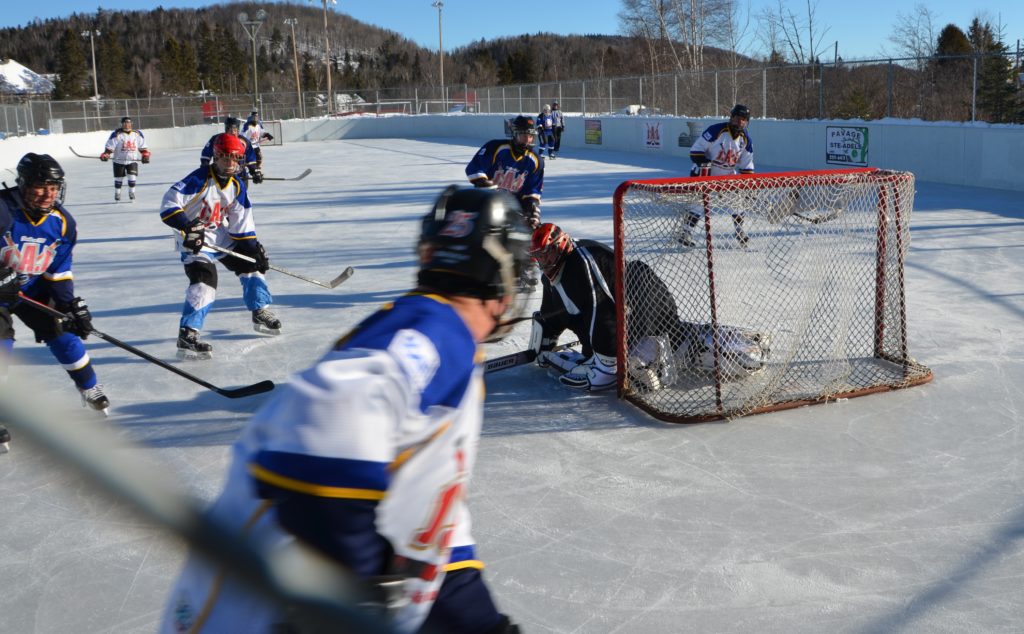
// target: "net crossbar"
[[752, 293]]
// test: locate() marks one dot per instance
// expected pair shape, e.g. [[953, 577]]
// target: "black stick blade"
[[347, 273], [248, 390]]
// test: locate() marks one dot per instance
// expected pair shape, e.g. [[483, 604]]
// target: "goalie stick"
[[293, 178], [82, 155], [347, 273], [238, 392], [518, 358]]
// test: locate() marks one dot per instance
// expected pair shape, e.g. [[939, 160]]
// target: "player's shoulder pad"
[[193, 182], [70, 226], [714, 131], [417, 356]]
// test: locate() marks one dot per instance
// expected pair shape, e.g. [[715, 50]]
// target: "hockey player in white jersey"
[[127, 147], [367, 455], [723, 148], [253, 131], [210, 206]]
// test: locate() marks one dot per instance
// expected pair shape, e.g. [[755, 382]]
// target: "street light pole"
[[252, 27], [440, 50], [95, 84], [295, 56]]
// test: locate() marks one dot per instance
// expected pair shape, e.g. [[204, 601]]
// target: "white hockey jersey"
[[392, 415], [126, 146], [225, 209], [255, 132], [726, 154]]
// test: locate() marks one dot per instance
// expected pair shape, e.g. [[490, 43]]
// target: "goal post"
[[753, 293], [274, 128]]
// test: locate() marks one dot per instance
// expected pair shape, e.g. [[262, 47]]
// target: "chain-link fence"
[[955, 88]]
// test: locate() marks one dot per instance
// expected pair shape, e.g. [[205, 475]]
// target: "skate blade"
[[192, 355], [260, 328], [5, 447]]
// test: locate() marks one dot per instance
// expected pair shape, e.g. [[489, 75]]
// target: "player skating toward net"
[[210, 206], [579, 295], [127, 147], [254, 132], [38, 239], [367, 455], [512, 165], [723, 148]]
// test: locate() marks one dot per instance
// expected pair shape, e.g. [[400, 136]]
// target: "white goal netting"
[[752, 293]]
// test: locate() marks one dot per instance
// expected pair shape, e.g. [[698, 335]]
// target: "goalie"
[[579, 296]]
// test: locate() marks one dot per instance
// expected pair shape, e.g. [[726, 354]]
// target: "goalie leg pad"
[[595, 374], [563, 360], [651, 364]]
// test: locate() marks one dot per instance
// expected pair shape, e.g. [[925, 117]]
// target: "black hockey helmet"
[[40, 169], [519, 126], [474, 242], [125, 120], [232, 122], [741, 111]]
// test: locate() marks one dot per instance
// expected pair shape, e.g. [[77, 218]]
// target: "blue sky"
[[861, 28]]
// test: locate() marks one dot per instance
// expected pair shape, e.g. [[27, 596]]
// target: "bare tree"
[[914, 35], [731, 35], [796, 37]]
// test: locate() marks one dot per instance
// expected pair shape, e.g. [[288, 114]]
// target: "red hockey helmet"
[[549, 247], [228, 154]]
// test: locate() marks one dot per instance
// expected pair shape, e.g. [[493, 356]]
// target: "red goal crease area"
[[755, 293]]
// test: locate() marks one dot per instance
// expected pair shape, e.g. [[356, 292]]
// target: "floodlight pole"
[[95, 83], [327, 59], [439, 5], [252, 27]]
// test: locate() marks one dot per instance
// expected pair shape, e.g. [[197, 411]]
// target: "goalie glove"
[[145, 156], [539, 343]]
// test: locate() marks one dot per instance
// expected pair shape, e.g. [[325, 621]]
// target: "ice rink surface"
[[899, 512]]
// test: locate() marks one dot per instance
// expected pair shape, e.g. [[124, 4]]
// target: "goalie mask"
[[40, 182], [475, 243], [228, 155], [550, 246]]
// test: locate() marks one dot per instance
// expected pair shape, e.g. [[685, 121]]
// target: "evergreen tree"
[[72, 71], [996, 93], [111, 65]]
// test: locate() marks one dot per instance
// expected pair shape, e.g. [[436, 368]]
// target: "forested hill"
[[176, 51]]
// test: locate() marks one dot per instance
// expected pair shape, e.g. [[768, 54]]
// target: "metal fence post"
[[889, 89], [974, 91], [821, 91], [173, 123], [611, 102], [764, 92], [675, 91]]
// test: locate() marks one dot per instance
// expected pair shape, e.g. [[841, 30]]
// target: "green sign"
[[846, 146], [592, 131]]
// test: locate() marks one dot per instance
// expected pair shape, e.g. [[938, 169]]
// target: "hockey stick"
[[293, 178], [347, 273], [518, 358], [238, 392], [82, 155]]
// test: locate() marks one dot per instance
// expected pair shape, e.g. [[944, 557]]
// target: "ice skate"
[[117, 195], [5, 440], [131, 195], [686, 239], [190, 347], [265, 322], [95, 398]]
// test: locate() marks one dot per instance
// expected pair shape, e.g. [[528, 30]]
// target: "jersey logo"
[[210, 215], [417, 357], [460, 224], [509, 179], [31, 259]]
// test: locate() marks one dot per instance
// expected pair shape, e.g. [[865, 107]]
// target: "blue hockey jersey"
[[521, 174], [40, 251]]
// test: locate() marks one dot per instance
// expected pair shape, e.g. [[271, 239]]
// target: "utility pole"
[[252, 27], [327, 59], [95, 84], [295, 56]]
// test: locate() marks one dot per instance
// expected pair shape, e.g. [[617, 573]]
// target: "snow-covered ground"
[[894, 512]]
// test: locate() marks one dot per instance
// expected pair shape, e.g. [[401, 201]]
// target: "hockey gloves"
[[483, 183], [78, 320], [105, 156], [262, 259], [145, 156], [257, 176], [194, 233], [9, 286], [531, 212]]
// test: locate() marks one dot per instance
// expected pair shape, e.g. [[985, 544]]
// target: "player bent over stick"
[[579, 295], [210, 206], [367, 455]]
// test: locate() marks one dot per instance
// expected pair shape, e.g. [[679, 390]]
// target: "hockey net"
[[769, 291], [274, 128]]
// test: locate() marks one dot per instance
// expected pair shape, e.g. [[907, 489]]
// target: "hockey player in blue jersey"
[[512, 165], [250, 165], [367, 455], [38, 237], [546, 123], [210, 206], [723, 148]]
